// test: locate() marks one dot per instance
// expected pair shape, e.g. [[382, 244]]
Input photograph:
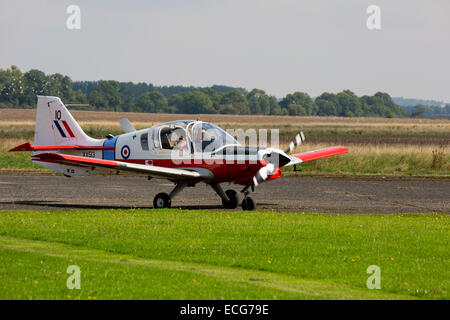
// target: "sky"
[[280, 46]]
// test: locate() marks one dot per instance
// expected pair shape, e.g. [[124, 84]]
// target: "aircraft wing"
[[317, 154], [149, 170]]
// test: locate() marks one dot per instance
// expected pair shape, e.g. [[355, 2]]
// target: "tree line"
[[432, 111], [19, 90]]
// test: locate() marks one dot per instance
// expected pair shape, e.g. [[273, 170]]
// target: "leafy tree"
[[106, 95], [61, 86], [196, 102], [259, 102], [227, 109], [214, 96], [301, 99], [175, 100], [224, 89], [237, 99], [172, 109], [326, 108], [153, 102], [35, 83], [98, 100], [419, 112], [85, 86], [381, 105], [79, 97], [328, 104], [349, 104], [275, 108], [296, 110], [12, 86], [127, 98]]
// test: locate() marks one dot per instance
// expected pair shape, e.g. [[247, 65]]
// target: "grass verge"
[[175, 254]]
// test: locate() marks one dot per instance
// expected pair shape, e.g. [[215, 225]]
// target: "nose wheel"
[[247, 203]]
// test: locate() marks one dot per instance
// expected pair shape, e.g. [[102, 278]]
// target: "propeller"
[[299, 138], [263, 173], [274, 160]]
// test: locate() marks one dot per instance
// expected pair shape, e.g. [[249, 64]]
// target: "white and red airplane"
[[185, 152]]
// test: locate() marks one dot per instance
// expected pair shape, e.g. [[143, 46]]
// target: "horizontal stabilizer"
[[29, 147]]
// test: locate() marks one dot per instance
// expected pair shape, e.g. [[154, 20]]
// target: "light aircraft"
[[185, 152]]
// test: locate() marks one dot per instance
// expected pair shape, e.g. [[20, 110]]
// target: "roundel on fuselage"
[[125, 152]]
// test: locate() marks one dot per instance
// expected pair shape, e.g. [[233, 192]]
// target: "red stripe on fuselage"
[[68, 129]]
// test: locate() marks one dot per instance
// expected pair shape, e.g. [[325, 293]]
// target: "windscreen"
[[207, 137]]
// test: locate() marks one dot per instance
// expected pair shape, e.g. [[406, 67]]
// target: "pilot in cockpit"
[[181, 144], [206, 139]]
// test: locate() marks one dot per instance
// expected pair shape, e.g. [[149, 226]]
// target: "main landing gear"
[[230, 198], [164, 200]]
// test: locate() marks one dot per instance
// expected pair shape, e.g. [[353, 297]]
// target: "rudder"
[[56, 126]]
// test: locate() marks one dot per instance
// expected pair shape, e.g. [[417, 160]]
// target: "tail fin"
[[56, 126]]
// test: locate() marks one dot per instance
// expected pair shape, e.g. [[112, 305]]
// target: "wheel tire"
[[162, 200], [248, 204], [233, 201]]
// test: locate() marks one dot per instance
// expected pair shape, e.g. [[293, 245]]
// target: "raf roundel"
[[125, 152]]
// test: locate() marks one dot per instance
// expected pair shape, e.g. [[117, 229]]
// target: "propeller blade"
[[299, 138], [263, 173]]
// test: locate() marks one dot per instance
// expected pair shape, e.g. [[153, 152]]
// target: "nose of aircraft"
[[273, 159], [276, 157]]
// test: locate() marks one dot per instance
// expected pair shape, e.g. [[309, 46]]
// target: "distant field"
[[23, 120], [204, 254], [377, 145]]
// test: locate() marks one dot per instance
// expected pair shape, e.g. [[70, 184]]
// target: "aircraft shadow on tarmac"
[[52, 204]]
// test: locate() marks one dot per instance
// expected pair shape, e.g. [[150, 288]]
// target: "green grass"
[[17, 160], [177, 254]]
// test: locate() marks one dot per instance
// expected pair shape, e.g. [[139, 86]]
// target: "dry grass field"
[[377, 145], [23, 119]]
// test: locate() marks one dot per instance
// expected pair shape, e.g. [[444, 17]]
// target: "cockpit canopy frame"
[[198, 136]]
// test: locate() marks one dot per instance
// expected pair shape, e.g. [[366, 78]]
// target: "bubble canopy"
[[199, 135]]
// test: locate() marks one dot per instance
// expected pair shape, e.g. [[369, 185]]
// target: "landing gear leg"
[[247, 202], [164, 200], [230, 199]]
